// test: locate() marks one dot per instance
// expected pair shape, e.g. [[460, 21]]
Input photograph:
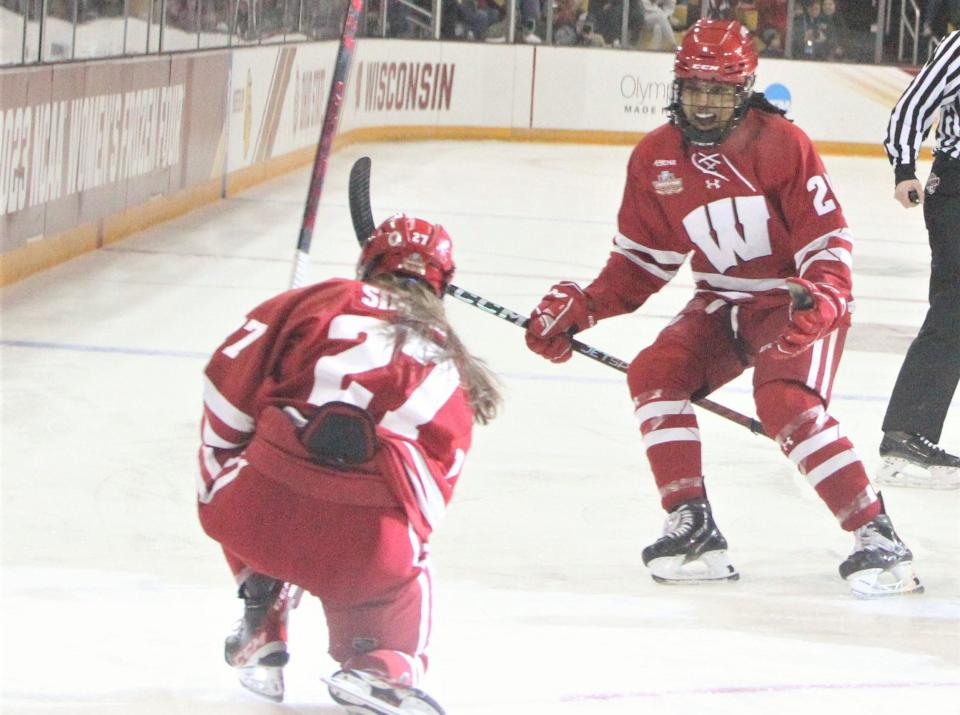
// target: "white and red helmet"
[[409, 247], [719, 51]]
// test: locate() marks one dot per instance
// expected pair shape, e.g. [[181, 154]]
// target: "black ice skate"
[[363, 693], [258, 647], [881, 564], [691, 549], [911, 460]]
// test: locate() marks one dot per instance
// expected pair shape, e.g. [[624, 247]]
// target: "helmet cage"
[[719, 51], [708, 137]]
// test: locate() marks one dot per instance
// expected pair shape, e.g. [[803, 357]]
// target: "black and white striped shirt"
[[936, 86]]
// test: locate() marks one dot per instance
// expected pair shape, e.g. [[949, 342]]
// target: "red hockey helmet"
[[410, 247], [720, 52], [717, 51]]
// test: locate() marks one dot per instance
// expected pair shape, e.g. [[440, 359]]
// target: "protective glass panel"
[[143, 30], [834, 31], [99, 28], [271, 21], [12, 27], [181, 26], [58, 30], [328, 19], [245, 23], [215, 21]]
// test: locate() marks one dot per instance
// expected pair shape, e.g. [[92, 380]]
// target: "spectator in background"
[[834, 31], [771, 26], [467, 19], [567, 21], [809, 41], [940, 17], [527, 32], [656, 16], [607, 16], [608, 19]]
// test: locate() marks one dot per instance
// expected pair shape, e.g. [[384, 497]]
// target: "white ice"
[[115, 602]]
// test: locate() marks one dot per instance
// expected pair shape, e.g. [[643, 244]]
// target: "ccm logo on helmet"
[[709, 68]]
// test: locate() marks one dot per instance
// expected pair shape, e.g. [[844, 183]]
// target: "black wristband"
[[904, 172]]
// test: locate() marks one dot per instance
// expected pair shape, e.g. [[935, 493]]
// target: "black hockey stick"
[[363, 225], [330, 120]]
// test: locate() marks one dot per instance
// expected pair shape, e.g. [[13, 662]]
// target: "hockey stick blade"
[[361, 213], [363, 226]]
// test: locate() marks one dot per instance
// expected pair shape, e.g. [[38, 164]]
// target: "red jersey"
[[333, 342], [753, 210]]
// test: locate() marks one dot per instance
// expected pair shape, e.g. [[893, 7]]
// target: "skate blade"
[[711, 567], [350, 694], [898, 580], [899, 472], [355, 694], [267, 682]]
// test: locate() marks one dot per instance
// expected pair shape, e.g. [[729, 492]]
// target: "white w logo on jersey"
[[720, 218]]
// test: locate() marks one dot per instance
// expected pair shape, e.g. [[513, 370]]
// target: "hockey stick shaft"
[[594, 354], [321, 158], [363, 225]]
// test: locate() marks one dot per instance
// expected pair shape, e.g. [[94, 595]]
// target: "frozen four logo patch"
[[933, 181], [667, 183]]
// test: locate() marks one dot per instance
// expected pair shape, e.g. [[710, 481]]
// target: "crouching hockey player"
[[733, 182], [336, 422]]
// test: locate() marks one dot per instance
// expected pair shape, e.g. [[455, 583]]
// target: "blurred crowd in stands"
[[833, 30]]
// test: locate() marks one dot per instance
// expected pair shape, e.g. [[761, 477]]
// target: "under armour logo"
[[713, 183]]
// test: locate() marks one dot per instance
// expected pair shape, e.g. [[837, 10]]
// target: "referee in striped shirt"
[[931, 369]]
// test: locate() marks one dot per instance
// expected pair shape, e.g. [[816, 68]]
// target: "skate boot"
[[692, 549], [881, 564], [912, 460], [363, 693], [258, 647]]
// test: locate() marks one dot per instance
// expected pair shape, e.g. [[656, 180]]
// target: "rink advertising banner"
[[589, 90], [277, 100], [278, 95], [98, 144], [440, 85], [594, 90], [82, 141]]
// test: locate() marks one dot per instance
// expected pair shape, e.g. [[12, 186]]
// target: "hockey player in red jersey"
[[336, 422], [734, 183]]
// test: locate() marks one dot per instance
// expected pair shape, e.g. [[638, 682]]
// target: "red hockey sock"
[[814, 442], [672, 438]]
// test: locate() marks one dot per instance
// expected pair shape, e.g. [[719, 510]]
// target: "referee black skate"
[[931, 369]]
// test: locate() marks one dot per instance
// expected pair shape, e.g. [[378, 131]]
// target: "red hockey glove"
[[817, 309], [565, 310]]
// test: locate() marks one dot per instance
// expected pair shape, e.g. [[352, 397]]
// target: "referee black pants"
[[931, 368]]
